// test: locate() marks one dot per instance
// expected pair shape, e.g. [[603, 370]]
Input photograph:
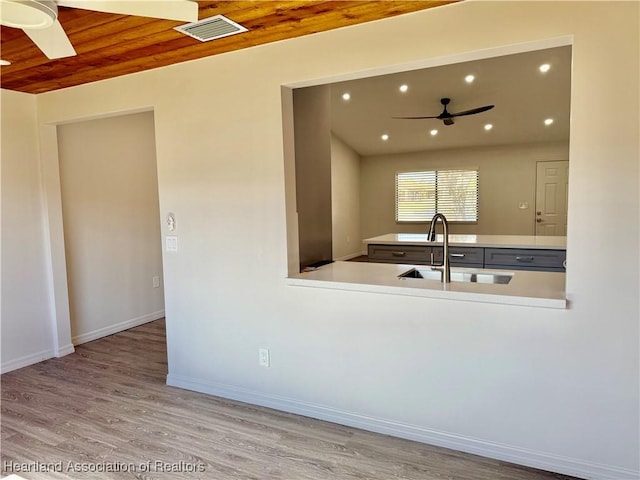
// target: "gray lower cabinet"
[[525, 259], [413, 254], [421, 255], [473, 257]]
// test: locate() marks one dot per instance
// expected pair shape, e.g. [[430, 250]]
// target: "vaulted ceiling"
[[109, 45], [523, 97]]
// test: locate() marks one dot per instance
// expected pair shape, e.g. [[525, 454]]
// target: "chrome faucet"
[[445, 267]]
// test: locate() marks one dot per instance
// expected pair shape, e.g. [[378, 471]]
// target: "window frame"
[[435, 172]]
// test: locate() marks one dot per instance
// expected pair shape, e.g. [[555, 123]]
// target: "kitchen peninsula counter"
[[536, 264], [463, 240], [526, 288]]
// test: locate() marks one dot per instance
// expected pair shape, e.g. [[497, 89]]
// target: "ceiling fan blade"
[[412, 118], [53, 41], [473, 111], [184, 10]]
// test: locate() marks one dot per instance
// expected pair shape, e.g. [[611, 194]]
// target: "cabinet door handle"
[[457, 255], [398, 254], [524, 259]]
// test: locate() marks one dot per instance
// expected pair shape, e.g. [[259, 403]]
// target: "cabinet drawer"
[[461, 256], [525, 259], [399, 253]]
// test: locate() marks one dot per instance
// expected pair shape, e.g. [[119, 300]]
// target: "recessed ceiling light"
[[548, 121], [5, 62], [488, 127], [433, 132], [384, 137], [544, 68], [404, 88], [469, 78], [346, 96]]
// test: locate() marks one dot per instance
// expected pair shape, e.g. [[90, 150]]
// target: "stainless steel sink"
[[457, 276]]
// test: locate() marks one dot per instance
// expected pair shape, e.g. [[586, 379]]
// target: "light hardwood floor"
[[107, 407]]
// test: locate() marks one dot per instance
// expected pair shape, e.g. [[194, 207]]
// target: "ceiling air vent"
[[211, 28]]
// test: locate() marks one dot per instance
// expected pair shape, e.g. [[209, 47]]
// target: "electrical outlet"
[[156, 281], [264, 358]]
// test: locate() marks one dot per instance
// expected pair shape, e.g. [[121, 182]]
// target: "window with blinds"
[[420, 195]]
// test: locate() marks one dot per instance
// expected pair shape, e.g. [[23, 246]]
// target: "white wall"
[[507, 176], [345, 200], [111, 220], [555, 389], [27, 322]]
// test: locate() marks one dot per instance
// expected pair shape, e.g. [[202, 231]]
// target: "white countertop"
[[527, 288], [458, 240]]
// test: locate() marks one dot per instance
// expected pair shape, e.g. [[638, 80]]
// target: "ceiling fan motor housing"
[[31, 15], [445, 116]]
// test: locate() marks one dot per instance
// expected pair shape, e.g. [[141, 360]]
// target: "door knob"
[[538, 213], [539, 220]]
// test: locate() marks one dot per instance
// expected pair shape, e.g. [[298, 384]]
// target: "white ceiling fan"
[[39, 18]]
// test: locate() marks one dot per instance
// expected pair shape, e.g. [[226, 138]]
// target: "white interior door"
[[552, 180]]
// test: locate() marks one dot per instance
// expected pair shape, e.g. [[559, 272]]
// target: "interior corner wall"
[[111, 220], [345, 200], [313, 173], [26, 318], [507, 177]]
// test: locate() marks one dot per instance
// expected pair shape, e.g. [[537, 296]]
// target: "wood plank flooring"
[[105, 412]]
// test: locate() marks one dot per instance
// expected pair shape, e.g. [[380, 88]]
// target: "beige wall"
[[345, 200], [507, 176], [27, 321], [111, 223], [556, 389]]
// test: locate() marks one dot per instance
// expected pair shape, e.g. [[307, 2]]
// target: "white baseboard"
[[530, 458], [115, 328], [26, 360], [66, 350]]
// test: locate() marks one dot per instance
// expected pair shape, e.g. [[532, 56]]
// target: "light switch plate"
[[171, 243]]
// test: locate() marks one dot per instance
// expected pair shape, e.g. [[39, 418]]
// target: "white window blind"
[[420, 195]]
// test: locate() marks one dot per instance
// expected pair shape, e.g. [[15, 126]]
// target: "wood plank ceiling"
[[113, 45]]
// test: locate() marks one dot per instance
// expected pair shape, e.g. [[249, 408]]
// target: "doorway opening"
[[110, 210]]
